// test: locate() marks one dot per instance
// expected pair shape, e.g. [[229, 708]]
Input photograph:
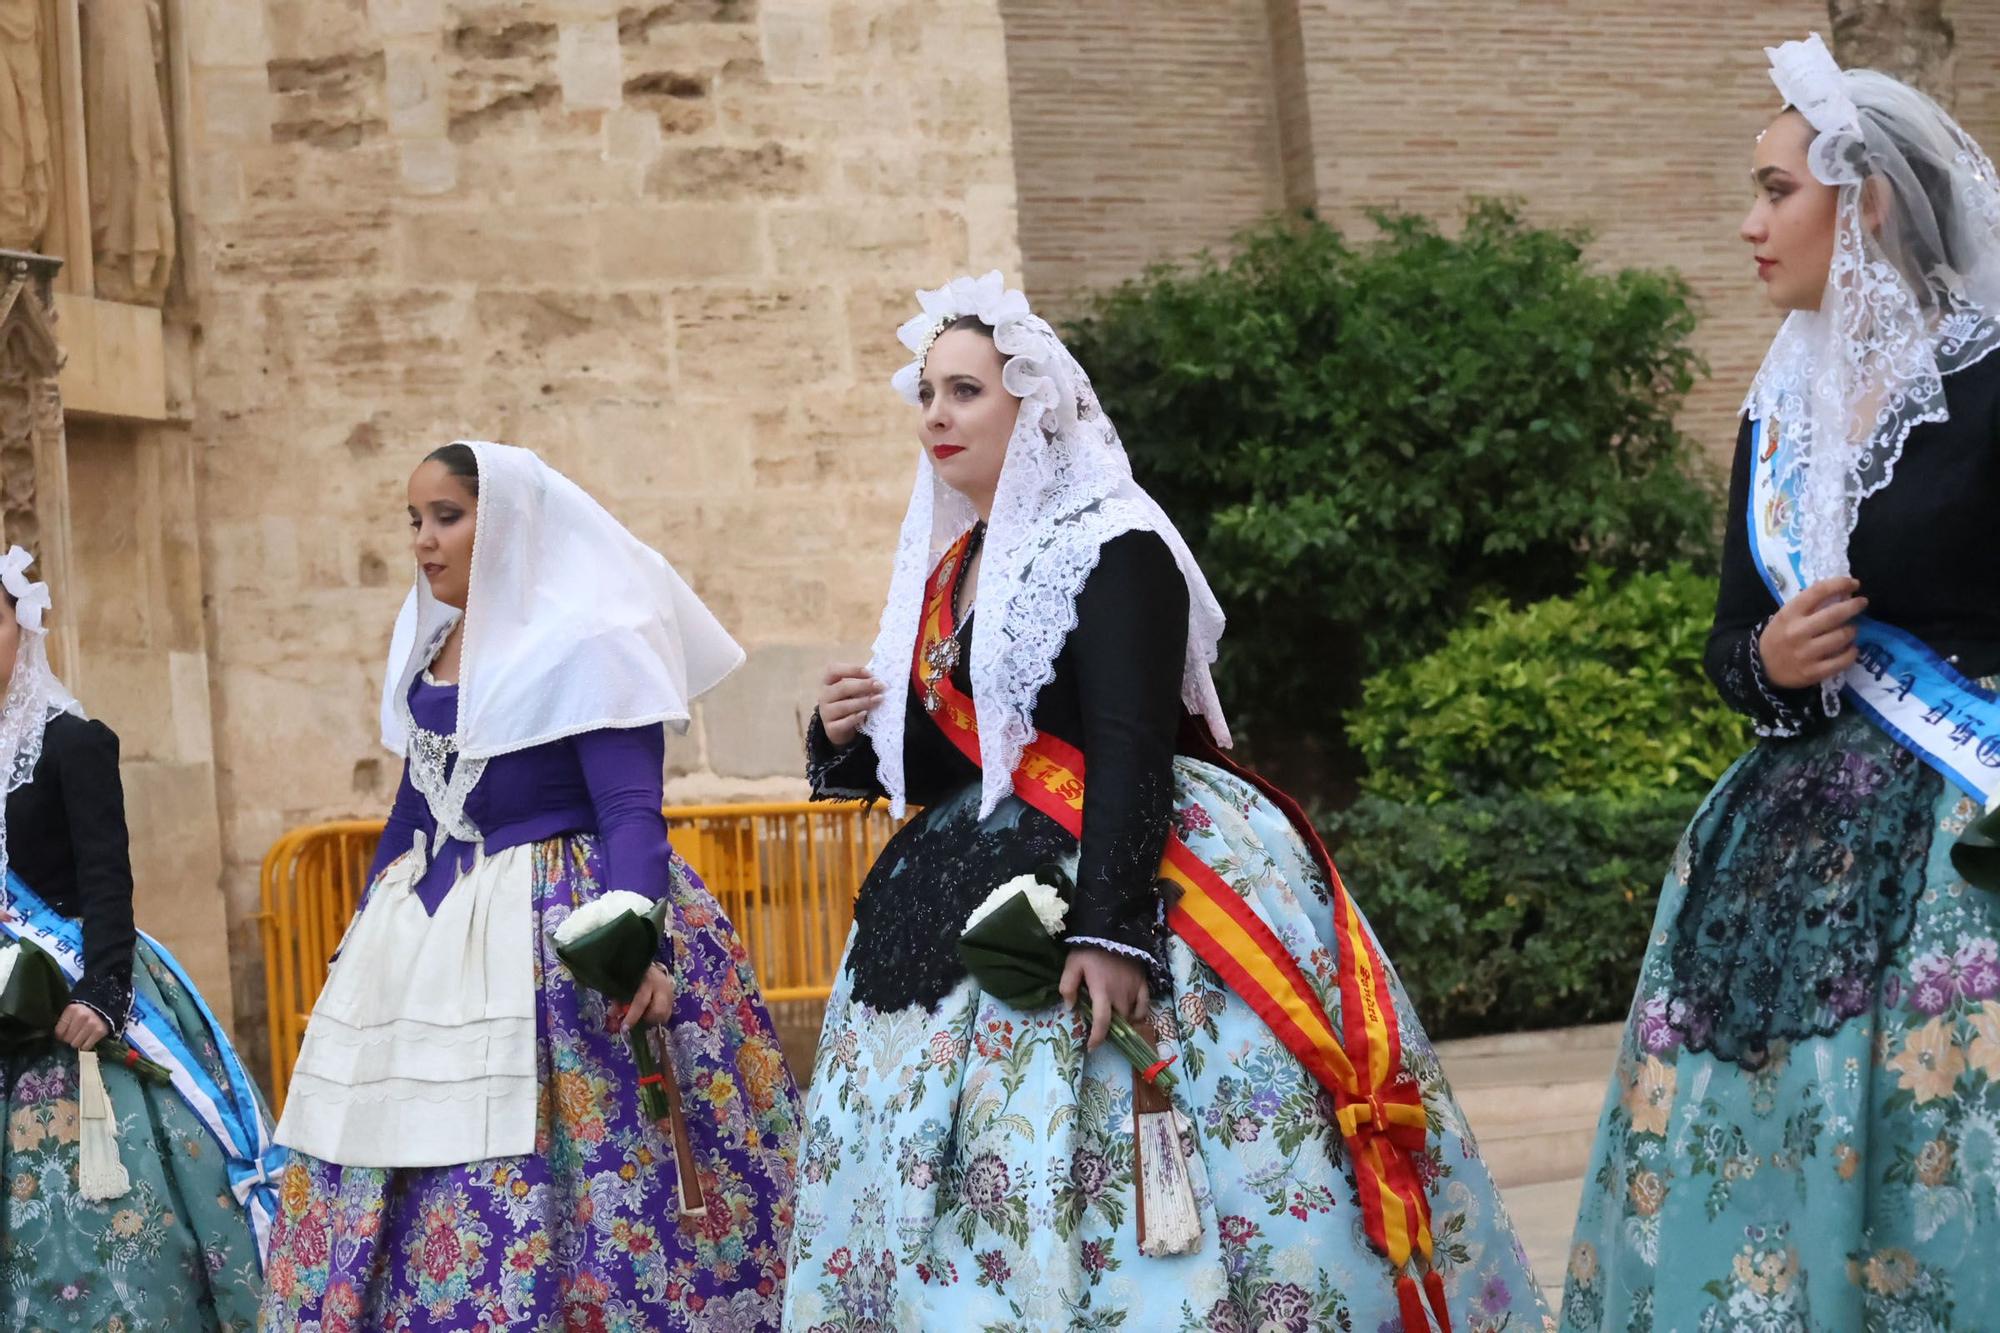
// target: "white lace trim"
[[1065, 489], [445, 786], [1109, 946]]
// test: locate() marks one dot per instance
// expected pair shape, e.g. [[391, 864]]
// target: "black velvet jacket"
[[66, 840], [1115, 697], [1922, 549]]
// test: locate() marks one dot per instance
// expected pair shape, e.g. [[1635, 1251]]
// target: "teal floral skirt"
[[174, 1252], [969, 1166], [1802, 1134]]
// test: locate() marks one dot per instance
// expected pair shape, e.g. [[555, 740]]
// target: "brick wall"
[[1629, 116], [1142, 131]]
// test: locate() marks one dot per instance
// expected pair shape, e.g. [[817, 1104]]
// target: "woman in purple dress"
[[471, 1153]]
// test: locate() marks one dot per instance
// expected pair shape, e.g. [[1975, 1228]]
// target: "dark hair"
[[973, 322], [461, 462]]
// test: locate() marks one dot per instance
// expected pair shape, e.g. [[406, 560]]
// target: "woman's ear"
[[1874, 204]]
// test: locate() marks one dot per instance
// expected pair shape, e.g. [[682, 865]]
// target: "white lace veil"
[[1065, 489], [1912, 297], [34, 695], [572, 623]]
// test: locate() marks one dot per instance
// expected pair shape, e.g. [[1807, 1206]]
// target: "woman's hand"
[[81, 1027], [846, 696], [1115, 984], [653, 1002], [1812, 636]]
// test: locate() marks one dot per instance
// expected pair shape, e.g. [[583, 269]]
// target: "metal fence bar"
[[786, 872]]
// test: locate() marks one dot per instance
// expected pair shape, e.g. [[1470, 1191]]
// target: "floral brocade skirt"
[[969, 1166], [176, 1251], [582, 1233], [1802, 1134]]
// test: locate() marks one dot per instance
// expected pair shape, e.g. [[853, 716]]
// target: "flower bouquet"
[[608, 944], [1013, 946], [33, 994]]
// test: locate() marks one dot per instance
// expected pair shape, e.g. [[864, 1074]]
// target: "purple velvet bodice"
[[603, 782]]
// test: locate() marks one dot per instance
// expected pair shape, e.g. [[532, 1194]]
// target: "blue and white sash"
[[231, 1113], [1898, 681]]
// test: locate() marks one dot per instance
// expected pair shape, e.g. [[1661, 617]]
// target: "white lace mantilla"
[[1911, 297], [1065, 490]]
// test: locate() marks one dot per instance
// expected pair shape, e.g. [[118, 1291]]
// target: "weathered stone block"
[[398, 18], [414, 88], [330, 101], [234, 106], [731, 337], [589, 64], [730, 171], [176, 868], [682, 100], [798, 39], [754, 722], [882, 242], [279, 245], [225, 33], [557, 341], [678, 242], [468, 245], [317, 29], [428, 166]]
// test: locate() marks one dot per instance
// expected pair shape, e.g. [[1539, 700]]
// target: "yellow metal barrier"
[[785, 872]]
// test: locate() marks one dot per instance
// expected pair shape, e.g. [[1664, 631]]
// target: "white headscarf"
[[572, 625], [1907, 302], [34, 695], [1065, 489]]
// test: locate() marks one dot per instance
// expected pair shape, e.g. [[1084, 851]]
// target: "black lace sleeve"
[[1129, 646], [1743, 606], [94, 799], [840, 772]]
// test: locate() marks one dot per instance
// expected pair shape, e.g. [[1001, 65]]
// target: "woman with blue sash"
[[1803, 1128], [131, 1203]]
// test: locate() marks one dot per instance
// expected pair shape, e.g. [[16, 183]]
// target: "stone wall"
[[666, 244], [134, 596]]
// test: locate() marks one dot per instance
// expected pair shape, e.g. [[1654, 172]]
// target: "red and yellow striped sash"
[[1379, 1107]]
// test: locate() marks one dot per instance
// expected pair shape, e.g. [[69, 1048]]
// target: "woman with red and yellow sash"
[[1041, 687]]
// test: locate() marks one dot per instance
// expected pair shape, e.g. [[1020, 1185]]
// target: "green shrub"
[[1363, 440], [1509, 913], [1601, 692]]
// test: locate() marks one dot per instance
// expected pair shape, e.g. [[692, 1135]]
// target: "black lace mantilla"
[[1803, 875]]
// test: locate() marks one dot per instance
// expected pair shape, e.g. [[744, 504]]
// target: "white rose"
[[1048, 904], [600, 912]]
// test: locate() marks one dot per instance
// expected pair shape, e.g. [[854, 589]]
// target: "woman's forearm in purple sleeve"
[[623, 769]]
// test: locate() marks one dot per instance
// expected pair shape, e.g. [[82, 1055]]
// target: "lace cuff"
[[838, 773], [1110, 946], [1785, 713], [1736, 665], [106, 997]]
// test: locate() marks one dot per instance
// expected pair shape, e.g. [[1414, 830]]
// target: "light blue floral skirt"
[[970, 1167], [1803, 1131]]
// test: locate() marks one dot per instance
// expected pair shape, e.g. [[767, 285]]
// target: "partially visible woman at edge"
[[1803, 1130], [972, 1165], [471, 1149], [151, 1214]]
